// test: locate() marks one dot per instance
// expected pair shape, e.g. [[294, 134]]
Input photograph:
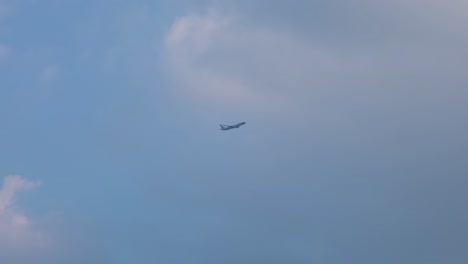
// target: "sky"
[[355, 148]]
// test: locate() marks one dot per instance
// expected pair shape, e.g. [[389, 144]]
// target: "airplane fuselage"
[[225, 127]]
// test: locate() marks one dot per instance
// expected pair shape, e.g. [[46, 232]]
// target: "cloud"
[[17, 231], [219, 60], [49, 239], [372, 95], [12, 185], [189, 39]]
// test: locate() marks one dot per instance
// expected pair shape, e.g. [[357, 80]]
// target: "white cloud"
[[49, 239], [17, 231], [191, 47], [329, 85], [191, 38], [217, 59], [12, 185]]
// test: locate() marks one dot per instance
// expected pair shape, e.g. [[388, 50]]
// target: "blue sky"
[[354, 151]]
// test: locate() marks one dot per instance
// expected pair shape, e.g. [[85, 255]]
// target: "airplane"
[[224, 127]]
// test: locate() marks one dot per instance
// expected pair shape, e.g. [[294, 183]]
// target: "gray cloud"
[[359, 109], [219, 57]]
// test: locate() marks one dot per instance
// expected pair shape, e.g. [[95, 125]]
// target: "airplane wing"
[[239, 124]]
